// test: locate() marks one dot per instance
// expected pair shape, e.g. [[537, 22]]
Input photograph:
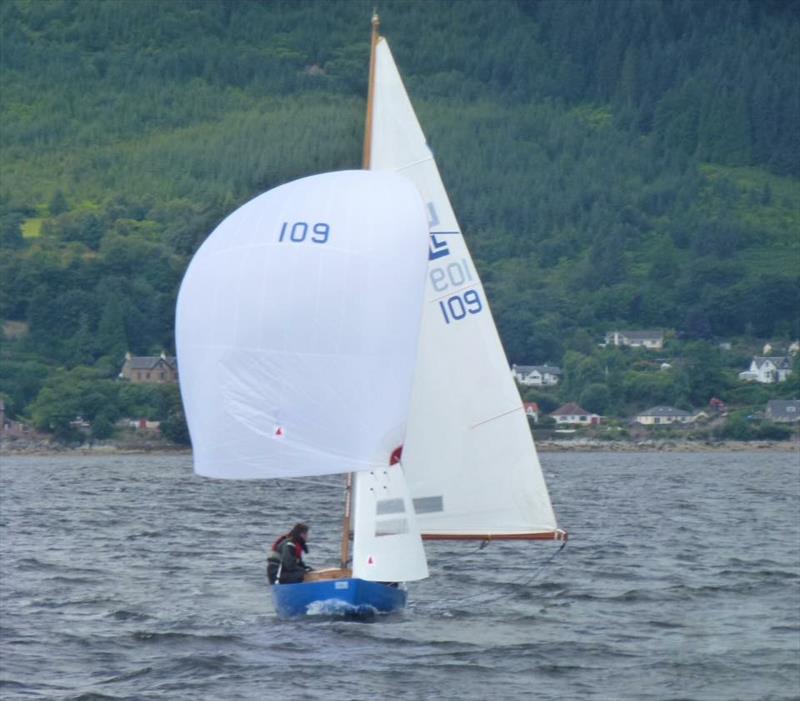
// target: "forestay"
[[297, 325], [469, 458]]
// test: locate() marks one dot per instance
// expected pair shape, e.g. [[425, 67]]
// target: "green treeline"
[[613, 164]]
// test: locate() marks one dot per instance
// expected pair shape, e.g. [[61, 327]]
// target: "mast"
[[348, 496], [348, 500], [376, 23]]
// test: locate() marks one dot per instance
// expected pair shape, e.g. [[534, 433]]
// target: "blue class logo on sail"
[[438, 247]]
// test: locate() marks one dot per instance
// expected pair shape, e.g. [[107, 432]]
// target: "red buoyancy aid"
[[298, 547]]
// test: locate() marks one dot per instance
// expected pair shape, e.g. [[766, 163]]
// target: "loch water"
[[128, 577]]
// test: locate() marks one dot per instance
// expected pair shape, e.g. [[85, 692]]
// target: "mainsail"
[[469, 459], [297, 326]]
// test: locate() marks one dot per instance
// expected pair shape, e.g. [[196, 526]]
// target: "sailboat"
[[409, 394]]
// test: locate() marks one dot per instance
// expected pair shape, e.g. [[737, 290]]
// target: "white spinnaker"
[[469, 458], [297, 325], [386, 542]]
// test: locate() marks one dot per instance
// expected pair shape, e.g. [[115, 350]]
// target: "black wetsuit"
[[287, 556]]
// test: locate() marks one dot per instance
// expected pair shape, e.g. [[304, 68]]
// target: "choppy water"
[[130, 578]]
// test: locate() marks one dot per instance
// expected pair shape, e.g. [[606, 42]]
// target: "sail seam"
[[414, 163], [499, 416], [454, 291]]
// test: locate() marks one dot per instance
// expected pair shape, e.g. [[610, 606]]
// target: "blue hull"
[[337, 597]]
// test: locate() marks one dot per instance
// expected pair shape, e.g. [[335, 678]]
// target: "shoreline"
[[667, 446], [44, 448]]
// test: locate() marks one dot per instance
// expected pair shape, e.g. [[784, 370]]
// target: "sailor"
[[285, 561]]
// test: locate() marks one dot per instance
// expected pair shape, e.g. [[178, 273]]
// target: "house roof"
[[570, 409], [543, 369], [533, 406], [778, 361], [665, 411], [638, 335], [148, 362], [784, 408]]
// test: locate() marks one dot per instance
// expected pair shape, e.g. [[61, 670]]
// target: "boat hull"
[[342, 597]]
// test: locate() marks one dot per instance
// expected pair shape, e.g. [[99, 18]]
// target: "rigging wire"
[[483, 597]]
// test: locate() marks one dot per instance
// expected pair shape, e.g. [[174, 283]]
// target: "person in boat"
[[285, 562]]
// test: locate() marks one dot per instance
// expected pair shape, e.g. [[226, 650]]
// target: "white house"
[[783, 410], [767, 369], [652, 340], [573, 415], [536, 375], [664, 415], [531, 410]]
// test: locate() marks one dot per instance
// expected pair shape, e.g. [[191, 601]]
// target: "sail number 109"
[[458, 306], [299, 231]]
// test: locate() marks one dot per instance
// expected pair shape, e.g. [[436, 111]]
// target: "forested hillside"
[[613, 164]]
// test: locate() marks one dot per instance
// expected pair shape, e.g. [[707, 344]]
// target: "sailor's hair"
[[298, 530]]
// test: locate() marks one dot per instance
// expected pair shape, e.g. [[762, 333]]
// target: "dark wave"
[[157, 638]]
